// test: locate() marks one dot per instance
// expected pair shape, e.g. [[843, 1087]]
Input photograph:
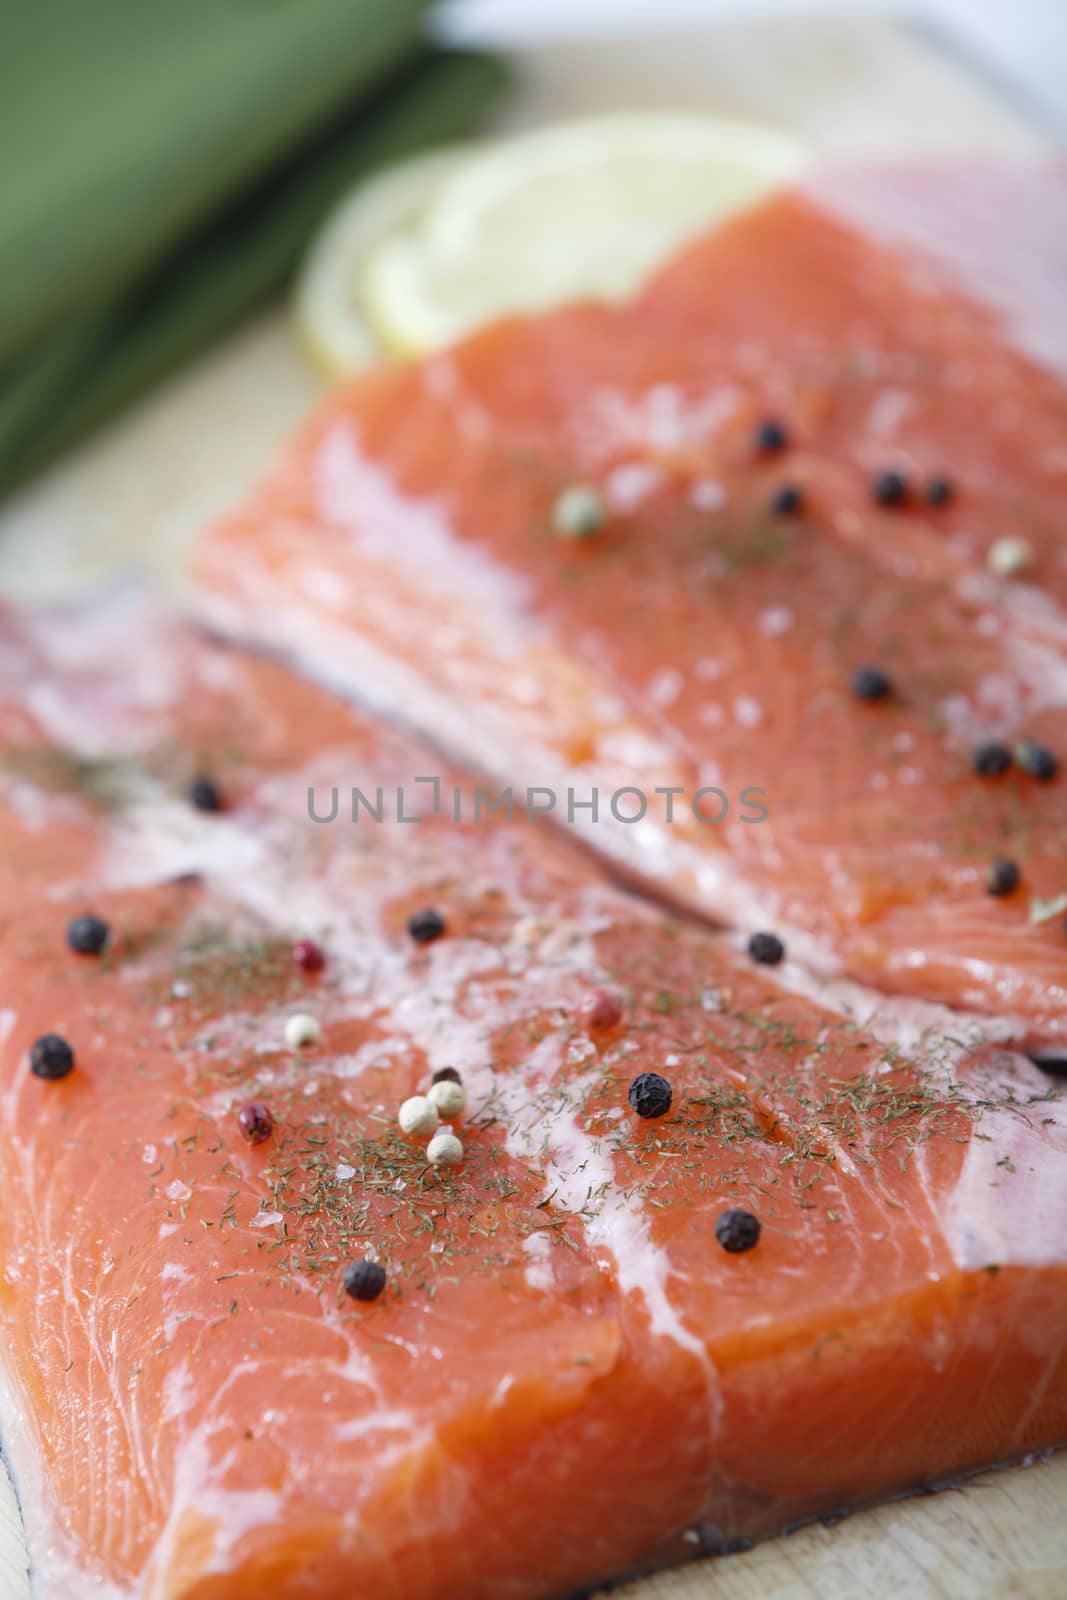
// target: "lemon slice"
[[329, 297], [578, 209]]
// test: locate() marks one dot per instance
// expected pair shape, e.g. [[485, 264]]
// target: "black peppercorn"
[[1054, 1065], [205, 794], [771, 436], [889, 489], [737, 1231], [364, 1280], [446, 1075], [88, 935], [426, 926], [1003, 877], [1037, 760], [51, 1057], [991, 759], [871, 683], [650, 1095], [766, 948], [939, 491], [787, 501]]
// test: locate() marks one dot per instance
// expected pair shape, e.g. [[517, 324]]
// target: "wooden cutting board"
[[138, 494]]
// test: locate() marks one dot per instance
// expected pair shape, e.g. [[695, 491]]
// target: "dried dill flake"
[[650, 1095], [51, 1057], [738, 1231], [88, 935], [426, 926], [364, 1280]]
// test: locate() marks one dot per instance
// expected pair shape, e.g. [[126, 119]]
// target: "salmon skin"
[[705, 635], [568, 1376]]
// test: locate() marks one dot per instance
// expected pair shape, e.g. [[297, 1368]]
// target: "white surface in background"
[[1023, 42]]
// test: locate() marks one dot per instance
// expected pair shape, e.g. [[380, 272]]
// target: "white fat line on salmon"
[[157, 837], [399, 1422], [37, 811], [33, 1227], [1043, 670], [87, 708], [17, 1082], [353, 493], [57, 1568], [539, 1272], [82, 1304], [1010, 1201], [38, 1218], [899, 1022], [200, 1505], [579, 1173], [430, 1021], [1031, 678], [684, 874], [198, 1494], [1007, 1205]]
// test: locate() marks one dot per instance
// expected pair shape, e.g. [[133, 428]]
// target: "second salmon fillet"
[[778, 549]]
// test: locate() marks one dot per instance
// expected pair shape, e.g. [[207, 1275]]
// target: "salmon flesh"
[[699, 641], [574, 1371], [403, 1198]]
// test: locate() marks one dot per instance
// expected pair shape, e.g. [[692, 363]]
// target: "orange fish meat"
[[792, 647], [567, 1377]]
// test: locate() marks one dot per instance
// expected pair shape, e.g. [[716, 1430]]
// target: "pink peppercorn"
[[601, 1009], [308, 956], [256, 1122]]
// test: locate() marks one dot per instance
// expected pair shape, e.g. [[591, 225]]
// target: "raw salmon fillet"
[[567, 1377], [705, 636]]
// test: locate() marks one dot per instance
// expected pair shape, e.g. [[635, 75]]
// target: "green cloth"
[[162, 166]]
